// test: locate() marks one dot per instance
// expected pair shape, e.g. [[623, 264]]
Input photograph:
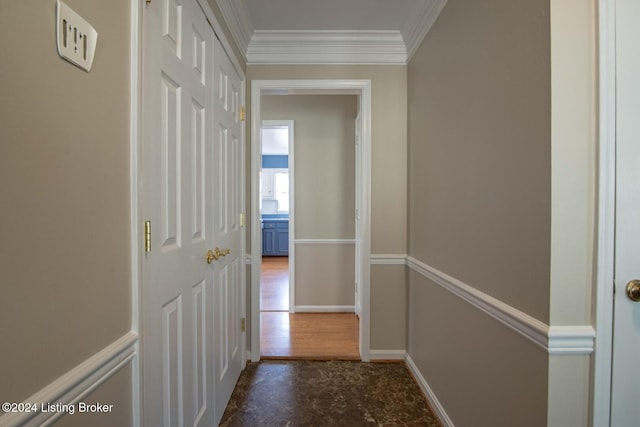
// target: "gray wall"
[[479, 94], [324, 159], [64, 168]]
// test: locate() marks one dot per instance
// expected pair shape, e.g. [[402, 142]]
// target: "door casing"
[[362, 88]]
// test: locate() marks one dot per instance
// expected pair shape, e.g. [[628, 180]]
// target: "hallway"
[[319, 336], [331, 393]]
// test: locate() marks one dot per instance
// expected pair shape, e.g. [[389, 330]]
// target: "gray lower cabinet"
[[275, 238]]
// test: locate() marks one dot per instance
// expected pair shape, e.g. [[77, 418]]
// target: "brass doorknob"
[[212, 256], [223, 252], [633, 290]]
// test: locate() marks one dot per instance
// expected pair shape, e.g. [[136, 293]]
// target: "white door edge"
[[135, 77], [601, 395], [346, 86]]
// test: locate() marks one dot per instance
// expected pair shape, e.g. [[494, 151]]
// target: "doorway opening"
[[358, 246], [276, 215]]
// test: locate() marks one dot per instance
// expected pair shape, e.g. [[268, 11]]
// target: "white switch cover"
[[76, 38]]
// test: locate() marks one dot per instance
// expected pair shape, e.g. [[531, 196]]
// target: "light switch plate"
[[76, 38]]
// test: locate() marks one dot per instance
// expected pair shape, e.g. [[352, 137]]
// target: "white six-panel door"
[[190, 187], [227, 235]]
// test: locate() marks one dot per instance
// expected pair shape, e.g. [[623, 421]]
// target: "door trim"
[[135, 199], [351, 87], [601, 396]]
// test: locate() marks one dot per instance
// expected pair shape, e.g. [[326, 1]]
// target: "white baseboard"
[[325, 309], [387, 355], [76, 384], [431, 397]]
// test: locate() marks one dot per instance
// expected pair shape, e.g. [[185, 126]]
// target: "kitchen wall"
[[388, 184], [324, 165]]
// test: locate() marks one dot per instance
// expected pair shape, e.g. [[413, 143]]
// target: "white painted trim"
[[559, 340], [243, 232], [363, 89], [529, 327], [389, 259], [431, 396], [324, 241], [256, 228], [325, 309], [388, 355], [326, 47], [218, 31], [369, 47], [292, 215], [601, 393], [76, 384], [135, 77], [423, 21], [570, 339], [236, 16]]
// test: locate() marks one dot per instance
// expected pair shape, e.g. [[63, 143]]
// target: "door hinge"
[[243, 324], [147, 236], [242, 219], [148, 2], [242, 114]]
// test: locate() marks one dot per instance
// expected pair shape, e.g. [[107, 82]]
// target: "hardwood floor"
[[321, 336], [274, 284]]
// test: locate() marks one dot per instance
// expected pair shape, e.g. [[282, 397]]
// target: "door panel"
[[172, 384], [177, 286], [199, 299], [625, 410], [227, 234]]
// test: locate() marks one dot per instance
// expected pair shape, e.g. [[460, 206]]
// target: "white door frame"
[[135, 198], [350, 87], [601, 395], [289, 124]]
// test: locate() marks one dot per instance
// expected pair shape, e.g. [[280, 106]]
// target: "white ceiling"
[[329, 31]]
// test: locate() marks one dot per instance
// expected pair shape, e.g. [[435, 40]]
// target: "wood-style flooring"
[[274, 284], [320, 336]]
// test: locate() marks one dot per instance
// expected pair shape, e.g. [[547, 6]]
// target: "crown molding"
[[236, 15], [422, 23], [327, 47], [332, 47]]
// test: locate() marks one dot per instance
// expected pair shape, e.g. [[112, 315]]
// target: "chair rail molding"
[[556, 340], [76, 384]]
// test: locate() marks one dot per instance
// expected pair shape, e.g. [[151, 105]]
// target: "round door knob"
[[633, 290]]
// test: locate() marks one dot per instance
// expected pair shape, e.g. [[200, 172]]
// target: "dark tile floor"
[[327, 393]]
